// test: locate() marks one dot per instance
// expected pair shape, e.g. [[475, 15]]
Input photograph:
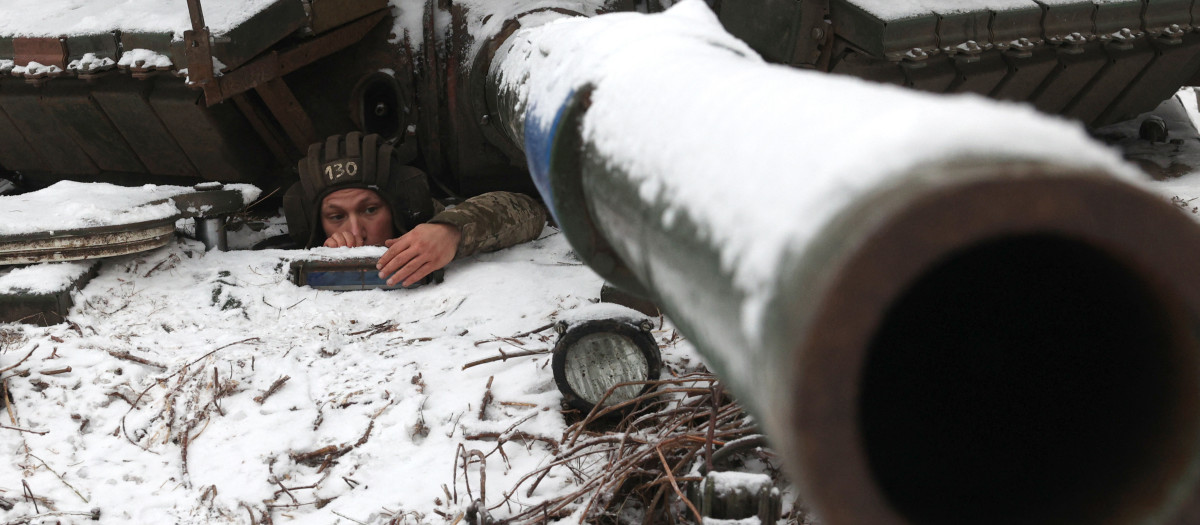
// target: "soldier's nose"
[[356, 228]]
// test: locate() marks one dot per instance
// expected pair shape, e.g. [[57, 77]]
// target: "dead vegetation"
[[630, 463]]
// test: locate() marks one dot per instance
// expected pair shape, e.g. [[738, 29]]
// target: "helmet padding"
[[354, 161]]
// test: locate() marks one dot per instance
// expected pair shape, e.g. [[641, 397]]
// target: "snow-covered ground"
[[151, 405]]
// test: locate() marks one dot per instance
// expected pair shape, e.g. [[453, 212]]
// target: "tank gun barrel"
[[932, 325]]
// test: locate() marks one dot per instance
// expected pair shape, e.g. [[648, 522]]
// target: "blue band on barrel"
[[539, 143]]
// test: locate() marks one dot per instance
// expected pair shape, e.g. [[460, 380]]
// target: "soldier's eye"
[[372, 210], [335, 217]]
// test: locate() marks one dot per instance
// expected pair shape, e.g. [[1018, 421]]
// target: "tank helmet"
[[354, 161]]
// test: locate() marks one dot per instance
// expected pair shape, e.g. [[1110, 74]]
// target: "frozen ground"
[[151, 405]]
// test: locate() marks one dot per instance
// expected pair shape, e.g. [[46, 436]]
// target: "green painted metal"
[[102, 45], [126, 104], [72, 105], [259, 32], [44, 308], [889, 39], [22, 102], [772, 36]]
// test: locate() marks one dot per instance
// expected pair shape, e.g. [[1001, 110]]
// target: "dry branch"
[[139, 360], [38, 432], [504, 357], [18, 363], [273, 388], [661, 432]]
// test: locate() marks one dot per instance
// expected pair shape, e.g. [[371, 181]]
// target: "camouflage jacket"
[[493, 221]]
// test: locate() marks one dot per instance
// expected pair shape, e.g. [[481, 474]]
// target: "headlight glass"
[[600, 360]]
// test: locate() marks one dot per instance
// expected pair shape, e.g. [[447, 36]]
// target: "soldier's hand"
[[343, 240], [414, 255]]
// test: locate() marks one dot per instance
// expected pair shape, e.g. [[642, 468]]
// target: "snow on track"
[[41, 18]]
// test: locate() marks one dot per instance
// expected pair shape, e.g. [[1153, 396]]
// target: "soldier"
[[351, 193]]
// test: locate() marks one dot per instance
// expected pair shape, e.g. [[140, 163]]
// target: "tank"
[[238, 97], [918, 353]]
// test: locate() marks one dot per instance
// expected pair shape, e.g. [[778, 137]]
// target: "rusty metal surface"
[[275, 64], [50, 51], [207, 204], [89, 243], [198, 49], [904, 250], [119, 239], [477, 163]]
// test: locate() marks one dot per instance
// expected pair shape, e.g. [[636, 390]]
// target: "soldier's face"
[[359, 212]]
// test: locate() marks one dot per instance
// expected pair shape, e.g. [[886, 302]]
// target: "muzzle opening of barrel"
[[1029, 379]]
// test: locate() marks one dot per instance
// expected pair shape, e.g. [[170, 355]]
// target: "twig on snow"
[[348, 517], [674, 485], [18, 363], [28, 492], [542, 328], [60, 478], [139, 360], [38, 432], [272, 389], [504, 357]]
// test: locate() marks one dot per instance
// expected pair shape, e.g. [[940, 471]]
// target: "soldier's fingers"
[[418, 274], [396, 263], [337, 240], [405, 273], [395, 247]]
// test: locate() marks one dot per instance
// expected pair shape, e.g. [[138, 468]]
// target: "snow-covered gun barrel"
[[932, 326]]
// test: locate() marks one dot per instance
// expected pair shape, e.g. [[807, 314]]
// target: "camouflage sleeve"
[[493, 221]]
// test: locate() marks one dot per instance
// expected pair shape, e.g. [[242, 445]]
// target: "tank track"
[[1098, 61]]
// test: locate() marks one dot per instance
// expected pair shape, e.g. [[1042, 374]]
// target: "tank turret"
[[234, 91]]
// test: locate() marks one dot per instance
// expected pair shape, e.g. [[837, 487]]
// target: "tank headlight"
[[594, 356]]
